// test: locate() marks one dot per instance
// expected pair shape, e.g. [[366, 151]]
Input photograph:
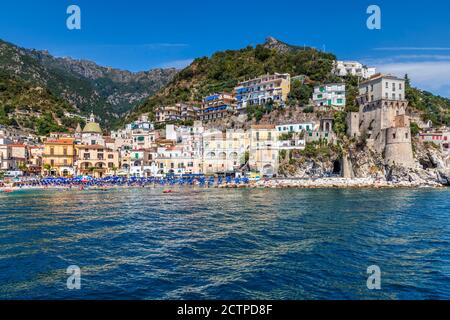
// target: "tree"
[[48, 168], [415, 129], [340, 124], [300, 93], [23, 167]]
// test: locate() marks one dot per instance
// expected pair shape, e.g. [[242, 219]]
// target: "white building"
[[344, 68], [6, 158], [296, 128], [329, 95], [382, 87]]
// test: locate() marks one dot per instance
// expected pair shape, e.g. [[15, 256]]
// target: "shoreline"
[[291, 183]]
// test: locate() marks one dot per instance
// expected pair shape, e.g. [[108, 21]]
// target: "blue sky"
[[140, 35]]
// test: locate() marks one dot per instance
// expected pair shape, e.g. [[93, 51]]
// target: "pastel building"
[[96, 160], [176, 112], [329, 95], [441, 138], [264, 89], [7, 162], [296, 127], [217, 106], [142, 162], [176, 161], [264, 150], [224, 152], [58, 158], [354, 68]]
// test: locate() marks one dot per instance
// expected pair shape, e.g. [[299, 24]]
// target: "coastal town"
[[183, 140]]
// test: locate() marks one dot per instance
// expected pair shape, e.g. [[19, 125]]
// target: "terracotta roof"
[[67, 141], [263, 126], [90, 146], [381, 75]]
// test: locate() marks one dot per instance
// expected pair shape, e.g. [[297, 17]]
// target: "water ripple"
[[225, 244]]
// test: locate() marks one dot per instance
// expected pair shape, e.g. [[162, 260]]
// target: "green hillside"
[[32, 108], [108, 92], [223, 70]]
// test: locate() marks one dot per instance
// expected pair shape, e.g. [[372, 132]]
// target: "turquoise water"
[[225, 244]]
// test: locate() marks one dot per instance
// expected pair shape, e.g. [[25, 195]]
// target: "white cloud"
[[432, 76], [427, 71], [412, 49]]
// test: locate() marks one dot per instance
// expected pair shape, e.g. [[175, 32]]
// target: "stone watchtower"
[[382, 119]]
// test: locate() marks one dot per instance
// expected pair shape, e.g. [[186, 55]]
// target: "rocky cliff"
[[364, 163]]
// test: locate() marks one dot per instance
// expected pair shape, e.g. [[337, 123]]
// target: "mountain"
[[223, 70], [32, 108], [86, 86]]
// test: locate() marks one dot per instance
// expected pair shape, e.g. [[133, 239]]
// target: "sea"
[[199, 243]]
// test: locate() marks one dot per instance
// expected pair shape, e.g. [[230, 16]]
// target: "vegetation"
[[286, 136], [434, 108], [224, 70], [415, 129], [29, 107], [300, 94], [340, 124]]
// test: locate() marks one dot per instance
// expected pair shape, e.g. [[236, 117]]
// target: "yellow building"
[[97, 160], [264, 149], [58, 157], [224, 152]]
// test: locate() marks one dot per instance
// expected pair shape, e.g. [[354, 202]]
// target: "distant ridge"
[[83, 84]]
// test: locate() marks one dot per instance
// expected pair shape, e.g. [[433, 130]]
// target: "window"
[[65, 151], [52, 151]]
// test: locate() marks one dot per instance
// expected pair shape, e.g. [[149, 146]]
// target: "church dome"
[[92, 127]]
